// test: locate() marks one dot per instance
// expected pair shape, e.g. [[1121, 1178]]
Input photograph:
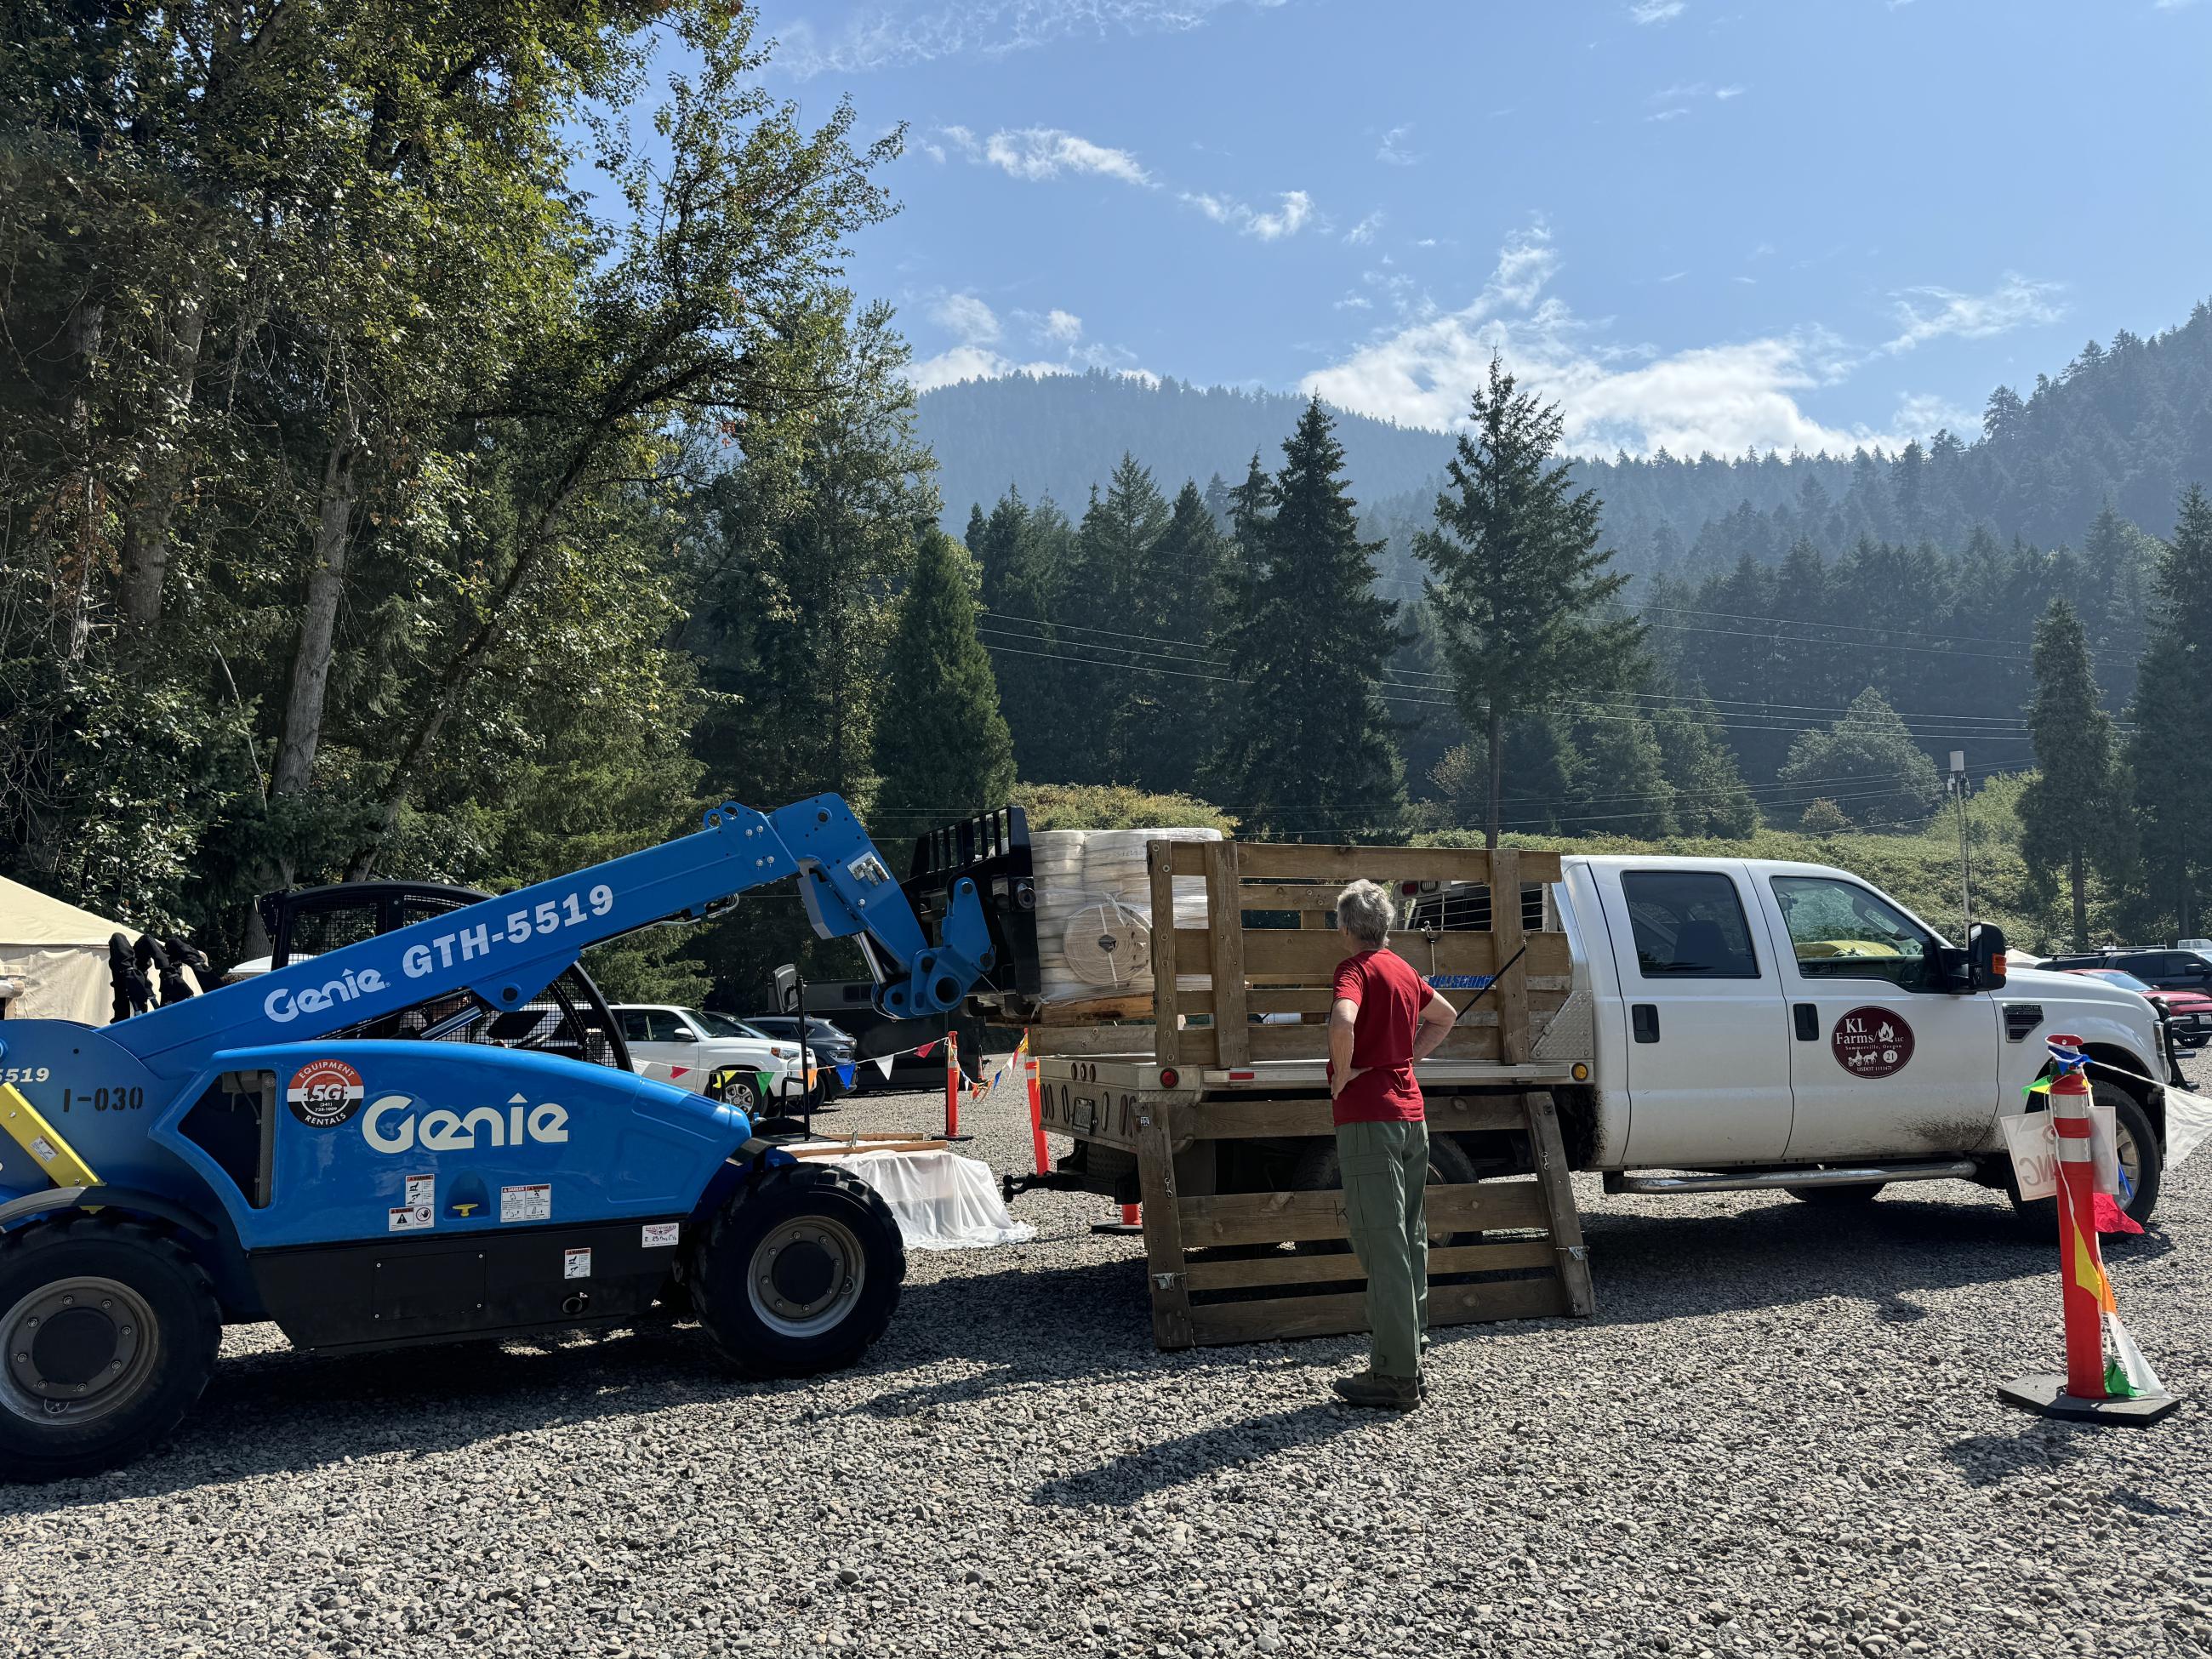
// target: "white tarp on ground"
[[942, 1201], [59, 952]]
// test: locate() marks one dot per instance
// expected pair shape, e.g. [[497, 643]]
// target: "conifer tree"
[[2171, 752], [1309, 753], [942, 747], [1164, 728], [1516, 576], [1025, 552], [1113, 595], [2067, 813], [1710, 797]]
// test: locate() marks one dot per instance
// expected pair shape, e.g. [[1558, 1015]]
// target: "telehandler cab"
[[250, 1154]]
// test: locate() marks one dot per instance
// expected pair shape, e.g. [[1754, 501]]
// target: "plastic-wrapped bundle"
[[1094, 910]]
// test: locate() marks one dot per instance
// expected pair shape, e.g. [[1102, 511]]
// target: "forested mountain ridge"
[[2129, 424]]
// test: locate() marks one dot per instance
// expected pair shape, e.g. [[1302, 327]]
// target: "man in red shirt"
[[1384, 1018]]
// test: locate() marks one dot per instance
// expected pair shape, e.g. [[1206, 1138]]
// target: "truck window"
[[664, 1025], [1689, 924], [633, 1025], [1841, 931]]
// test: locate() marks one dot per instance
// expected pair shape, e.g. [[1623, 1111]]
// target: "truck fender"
[[213, 1248]]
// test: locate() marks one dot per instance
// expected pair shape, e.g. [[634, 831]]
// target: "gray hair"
[[1365, 911]]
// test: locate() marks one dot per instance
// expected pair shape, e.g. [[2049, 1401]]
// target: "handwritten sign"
[[2034, 1147]]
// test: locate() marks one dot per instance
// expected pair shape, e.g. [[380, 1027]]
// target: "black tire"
[[86, 1380], [827, 1286], [1837, 1198], [1318, 1171], [736, 1089], [2040, 1216]]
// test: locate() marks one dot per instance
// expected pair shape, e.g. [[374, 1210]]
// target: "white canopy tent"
[[59, 955]]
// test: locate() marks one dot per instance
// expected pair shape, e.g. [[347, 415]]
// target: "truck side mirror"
[[1985, 957]]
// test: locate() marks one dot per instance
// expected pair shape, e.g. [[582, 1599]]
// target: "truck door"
[[1884, 1061], [1708, 1049]]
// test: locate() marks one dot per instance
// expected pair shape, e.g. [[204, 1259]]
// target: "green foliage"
[[1115, 806], [1822, 817], [1026, 553], [1920, 869], [2069, 815], [2170, 753], [1869, 765], [1710, 797], [942, 747], [1519, 585], [1308, 752]]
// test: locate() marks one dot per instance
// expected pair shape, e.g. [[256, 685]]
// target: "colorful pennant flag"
[[884, 1065], [845, 1074]]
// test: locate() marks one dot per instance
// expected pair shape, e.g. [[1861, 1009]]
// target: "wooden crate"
[[1206, 1287], [1245, 1080], [1251, 969]]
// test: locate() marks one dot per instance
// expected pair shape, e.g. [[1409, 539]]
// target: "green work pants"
[[1386, 1171]]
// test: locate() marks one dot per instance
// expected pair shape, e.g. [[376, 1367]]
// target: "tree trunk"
[[2081, 902], [161, 469], [311, 667], [1497, 762], [85, 324]]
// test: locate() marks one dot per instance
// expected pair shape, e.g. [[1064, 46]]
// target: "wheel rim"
[[806, 1274], [739, 1093], [2130, 1157], [77, 1348]]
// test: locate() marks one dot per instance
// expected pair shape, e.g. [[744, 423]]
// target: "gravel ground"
[[1777, 1437]]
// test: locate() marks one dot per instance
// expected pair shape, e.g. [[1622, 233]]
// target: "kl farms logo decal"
[[1871, 1042], [324, 1093]]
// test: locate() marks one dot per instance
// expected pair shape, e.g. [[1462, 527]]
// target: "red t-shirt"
[[1391, 996]]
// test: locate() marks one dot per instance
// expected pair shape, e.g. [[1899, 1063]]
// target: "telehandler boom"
[[247, 1155]]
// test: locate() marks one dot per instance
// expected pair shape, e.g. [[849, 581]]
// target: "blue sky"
[[1699, 223]]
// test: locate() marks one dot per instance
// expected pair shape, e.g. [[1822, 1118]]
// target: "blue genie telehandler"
[[250, 1154]]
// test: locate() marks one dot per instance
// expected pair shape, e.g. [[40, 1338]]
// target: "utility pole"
[[1958, 781]]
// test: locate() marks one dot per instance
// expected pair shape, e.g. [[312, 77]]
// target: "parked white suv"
[[709, 1053]]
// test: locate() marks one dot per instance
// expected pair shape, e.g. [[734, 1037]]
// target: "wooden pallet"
[[1202, 1295], [1266, 950]]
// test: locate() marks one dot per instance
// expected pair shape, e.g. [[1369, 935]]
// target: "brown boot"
[[1395, 1394]]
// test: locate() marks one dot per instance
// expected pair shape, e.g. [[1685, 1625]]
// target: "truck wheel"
[[2139, 1158], [109, 1334], [1837, 1198], [1318, 1171], [798, 1273]]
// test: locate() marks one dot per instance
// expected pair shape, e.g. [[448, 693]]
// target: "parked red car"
[[2189, 1012]]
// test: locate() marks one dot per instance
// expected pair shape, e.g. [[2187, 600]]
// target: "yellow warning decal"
[[42, 1142]]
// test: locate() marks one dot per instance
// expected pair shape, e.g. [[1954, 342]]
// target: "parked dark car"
[[2189, 1013], [828, 1047], [2167, 968]]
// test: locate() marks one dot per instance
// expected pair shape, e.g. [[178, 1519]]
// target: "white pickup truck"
[[1726, 1023]]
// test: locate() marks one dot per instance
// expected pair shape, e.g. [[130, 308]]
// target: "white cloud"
[[967, 317], [1725, 397], [1353, 302], [977, 332], [1924, 414], [1656, 11], [1726, 92], [1929, 313], [891, 33], [1364, 233], [1295, 213], [1675, 114], [1038, 155], [1396, 150]]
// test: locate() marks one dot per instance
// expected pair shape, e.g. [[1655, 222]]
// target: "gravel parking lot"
[[1777, 1437]]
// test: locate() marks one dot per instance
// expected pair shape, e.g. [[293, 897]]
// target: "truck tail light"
[[1242, 1076], [1169, 1077]]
